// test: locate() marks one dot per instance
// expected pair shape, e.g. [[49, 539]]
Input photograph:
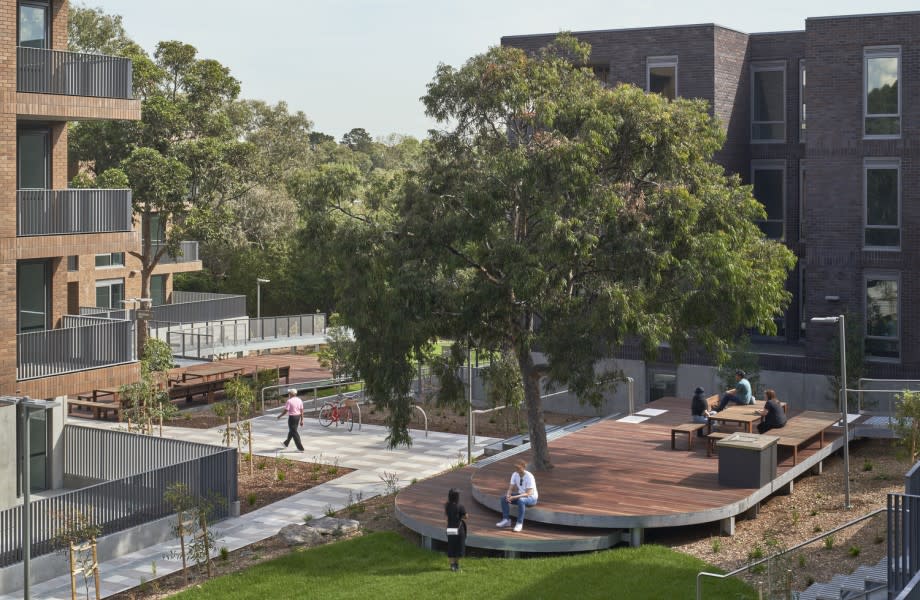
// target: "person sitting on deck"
[[522, 491], [699, 409], [773, 415], [740, 394]]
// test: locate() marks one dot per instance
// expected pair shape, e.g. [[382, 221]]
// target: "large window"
[[34, 25], [32, 154], [602, 73], [158, 289], [110, 293], [39, 434], [112, 259], [882, 308], [769, 180], [662, 382], [803, 199], [768, 102], [883, 204], [32, 295], [802, 112], [661, 76], [882, 102]]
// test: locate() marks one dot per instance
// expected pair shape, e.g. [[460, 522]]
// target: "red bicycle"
[[337, 411]]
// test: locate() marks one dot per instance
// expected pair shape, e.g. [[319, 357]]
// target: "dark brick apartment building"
[[824, 123]]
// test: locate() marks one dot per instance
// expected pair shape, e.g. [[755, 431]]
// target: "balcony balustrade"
[[66, 212], [43, 71]]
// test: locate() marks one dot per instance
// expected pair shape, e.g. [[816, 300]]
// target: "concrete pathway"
[[364, 450]]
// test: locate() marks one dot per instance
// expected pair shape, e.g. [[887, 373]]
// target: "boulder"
[[318, 531]]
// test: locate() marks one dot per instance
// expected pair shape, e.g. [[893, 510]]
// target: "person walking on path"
[[740, 394], [522, 491], [456, 528], [293, 408]]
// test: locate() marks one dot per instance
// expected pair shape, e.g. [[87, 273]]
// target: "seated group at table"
[[773, 415]]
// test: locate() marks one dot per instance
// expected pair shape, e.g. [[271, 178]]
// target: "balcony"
[[188, 252], [41, 71], [65, 212], [82, 343]]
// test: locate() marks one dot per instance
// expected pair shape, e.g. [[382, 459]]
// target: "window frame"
[[772, 165], [112, 264], [803, 114], [880, 163], [761, 68], [870, 52], [803, 198], [882, 276], [109, 283], [652, 62], [49, 19]]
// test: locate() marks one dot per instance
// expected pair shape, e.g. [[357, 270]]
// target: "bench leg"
[[690, 436], [636, 537], [673, 433]]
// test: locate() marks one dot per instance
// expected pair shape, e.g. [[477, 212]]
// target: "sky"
[[366, 63]]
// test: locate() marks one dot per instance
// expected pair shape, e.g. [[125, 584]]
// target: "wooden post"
[[73, 574], [181, 530], [96, 571], [207, 546]]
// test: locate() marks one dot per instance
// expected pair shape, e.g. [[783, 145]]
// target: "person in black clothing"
[[773, 415], [699, 409], [456, 528]]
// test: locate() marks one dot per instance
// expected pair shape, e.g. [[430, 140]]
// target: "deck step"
[[865, 583]]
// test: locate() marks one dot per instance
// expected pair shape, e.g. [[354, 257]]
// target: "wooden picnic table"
[[98, 395], [212, 373], [744, 415]]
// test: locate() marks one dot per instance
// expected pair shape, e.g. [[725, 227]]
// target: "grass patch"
[[385, 566]]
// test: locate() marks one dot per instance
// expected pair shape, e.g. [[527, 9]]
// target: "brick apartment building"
[[840, 181], [60, 249]]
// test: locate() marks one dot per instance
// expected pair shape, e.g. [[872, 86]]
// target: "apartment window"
[[33, 286], [157, 229], [112, 259], [803, 190], [661, 76], [882, 102], [32, 153], [802, 112], [601, 73], [768, 110], [34, 24], [882, 307], [882, 181], [158, 289], [39, 455], [802, 320], [769, 180], [73, 263], [110, 293]]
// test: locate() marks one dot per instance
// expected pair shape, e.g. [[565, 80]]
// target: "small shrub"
[[867, 465], [281, 476], [329, 511], [814, 512], [716, 545], [854, 551], [224, 553], [756, 553], [829, 542], [795, 517], [883, 477], [413, 481], [334, 467], [801, 561], [809, 580], [307, 518], [251, 499], [261, 465], [817, 529]]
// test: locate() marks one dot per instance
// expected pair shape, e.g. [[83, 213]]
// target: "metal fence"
[[83, 343], [106, 313], [63, 212], [44, 71], [200, 308], [903, 541], [129, 500], [188, 252], [912, 481], [211, 337]]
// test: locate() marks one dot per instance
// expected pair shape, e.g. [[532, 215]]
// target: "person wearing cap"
[[293, 408], [740, 394], [699, 409]]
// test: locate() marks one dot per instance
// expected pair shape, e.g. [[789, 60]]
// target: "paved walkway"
[[365, 451]]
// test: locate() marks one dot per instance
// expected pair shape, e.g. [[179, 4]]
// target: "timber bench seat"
[[188, 391], [690, 429], [100, 409], [803, 428], [711, 440]]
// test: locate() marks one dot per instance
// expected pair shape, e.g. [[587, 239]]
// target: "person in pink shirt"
[[293, 408]]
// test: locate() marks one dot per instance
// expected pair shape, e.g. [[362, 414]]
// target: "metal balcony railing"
[[65, 212], [43, 71], [188, 252], [200, 307], [83, 343]]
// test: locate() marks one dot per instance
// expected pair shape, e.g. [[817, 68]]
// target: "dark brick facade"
[[824, 212]]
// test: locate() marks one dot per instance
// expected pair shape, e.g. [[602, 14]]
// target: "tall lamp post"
[[259, 282], [841, 321]]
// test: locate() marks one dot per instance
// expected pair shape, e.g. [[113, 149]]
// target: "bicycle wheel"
[[348, 418], [325, 414]]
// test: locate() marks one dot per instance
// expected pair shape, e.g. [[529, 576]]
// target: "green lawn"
[[384, 566]]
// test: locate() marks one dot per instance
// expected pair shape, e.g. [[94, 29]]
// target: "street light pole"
[[24, 416], [259, 282], [841, 322], [469, 408]]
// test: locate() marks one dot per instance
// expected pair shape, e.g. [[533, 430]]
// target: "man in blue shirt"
[[740, 394]]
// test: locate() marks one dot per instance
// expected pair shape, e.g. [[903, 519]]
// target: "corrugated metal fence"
[[132, 497], [63, 212]]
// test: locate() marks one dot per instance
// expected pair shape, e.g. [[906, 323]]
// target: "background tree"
[[553, 214]]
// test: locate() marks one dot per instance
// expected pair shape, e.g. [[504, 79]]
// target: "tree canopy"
[[552, 221]]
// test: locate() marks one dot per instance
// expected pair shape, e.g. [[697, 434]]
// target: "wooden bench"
[[711, 440], [100, 409], [803, 428], [690, 429], [188, 391]]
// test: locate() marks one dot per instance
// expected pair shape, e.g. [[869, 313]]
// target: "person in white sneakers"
[[522, 491]]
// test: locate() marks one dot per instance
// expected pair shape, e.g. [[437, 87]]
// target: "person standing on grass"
[[522, 491], [293, 408], [456, 528]]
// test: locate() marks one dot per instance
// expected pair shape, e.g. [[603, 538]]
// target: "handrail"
[[421, 410], [701, 574], [483, 411]]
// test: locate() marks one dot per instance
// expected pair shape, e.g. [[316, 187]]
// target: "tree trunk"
[[530, 377]]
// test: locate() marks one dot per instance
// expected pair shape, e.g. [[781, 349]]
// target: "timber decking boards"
[[612, 475]]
